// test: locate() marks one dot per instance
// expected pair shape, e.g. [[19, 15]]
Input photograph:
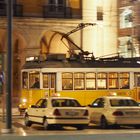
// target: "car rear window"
[[123, 102], [65, 103]]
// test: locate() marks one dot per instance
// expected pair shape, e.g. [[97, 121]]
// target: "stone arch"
[[18, 53], [50, 42], [19, 47], [2, 40]]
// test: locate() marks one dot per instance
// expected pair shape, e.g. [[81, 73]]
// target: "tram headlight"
[[23, 103], [24, 100]]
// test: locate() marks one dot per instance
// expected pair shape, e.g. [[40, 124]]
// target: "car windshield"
[[123, 102], [65, 103]]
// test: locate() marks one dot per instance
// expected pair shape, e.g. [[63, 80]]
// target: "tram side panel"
[[30, 96]]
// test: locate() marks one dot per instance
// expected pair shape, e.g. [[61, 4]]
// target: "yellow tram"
[[82, 79]]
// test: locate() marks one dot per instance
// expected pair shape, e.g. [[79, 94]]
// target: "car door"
[[39, 111], [96, 110]]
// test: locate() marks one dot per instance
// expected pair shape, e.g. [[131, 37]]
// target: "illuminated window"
[[45, 80], [79, 81], [90, 80], [53, 79], [34, 80], [137, 80], [113, 80], [67, 81], [48, 80], [101, 80], [124, 80], [24, 80]]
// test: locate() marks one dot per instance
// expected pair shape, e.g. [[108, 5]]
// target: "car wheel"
[[27, 121], [80, 127], [103, 123], [137, 126], [45, 124]]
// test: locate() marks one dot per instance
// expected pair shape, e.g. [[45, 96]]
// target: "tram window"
[[53, 81], [90, 81], [45, 80], [113, 80], [79, 81], [48, 80], [101, 80], [24, 80], [124, 80], [137, 79], [67, 81], [34, 80]]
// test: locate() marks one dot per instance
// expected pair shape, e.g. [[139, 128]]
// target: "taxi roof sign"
[[112, 94]]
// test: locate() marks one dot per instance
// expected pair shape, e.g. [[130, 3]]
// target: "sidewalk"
[[15, 112]]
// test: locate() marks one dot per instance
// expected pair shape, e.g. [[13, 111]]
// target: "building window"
[[67, 81], [2, 1], [2, 4], [124, 80], [113, 80], [126, 18], [90, 81], [79, 81], [127, 48], [99, 13], [101, 80], [56, 5]]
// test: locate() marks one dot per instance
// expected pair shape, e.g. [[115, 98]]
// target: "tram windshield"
[[34, 81], [31, 80], [24, 80]]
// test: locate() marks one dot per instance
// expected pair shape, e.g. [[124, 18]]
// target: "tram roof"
[[67, 63]]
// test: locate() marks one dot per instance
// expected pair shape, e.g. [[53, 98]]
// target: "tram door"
[[49, 82], [137, 85]]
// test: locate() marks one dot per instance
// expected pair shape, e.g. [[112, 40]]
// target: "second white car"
[[114, 110]]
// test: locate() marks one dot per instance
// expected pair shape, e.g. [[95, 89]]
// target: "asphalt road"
[[36, 132]]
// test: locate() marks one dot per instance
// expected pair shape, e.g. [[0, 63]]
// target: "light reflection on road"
[[20, 129]]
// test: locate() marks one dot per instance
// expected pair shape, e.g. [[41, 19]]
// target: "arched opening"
[[51, 42], [19, 45], [18, 53]]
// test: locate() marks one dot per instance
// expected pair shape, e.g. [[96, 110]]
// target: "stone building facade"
[[38, 26], [129, 28]]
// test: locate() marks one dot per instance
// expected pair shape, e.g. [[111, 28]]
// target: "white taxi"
[[57, 111], [114, 110]]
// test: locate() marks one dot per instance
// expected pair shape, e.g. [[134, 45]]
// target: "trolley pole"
[[8, 128]]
